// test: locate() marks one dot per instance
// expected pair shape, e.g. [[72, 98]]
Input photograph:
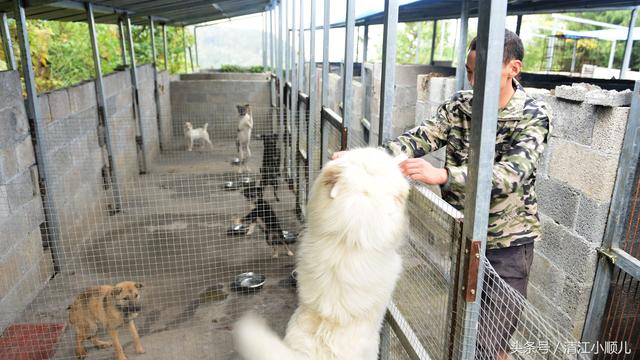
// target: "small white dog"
[[193, 135], [245, 125], [348, 265]]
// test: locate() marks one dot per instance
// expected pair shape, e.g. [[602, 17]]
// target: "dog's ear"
[[139, 285], [331, 176]]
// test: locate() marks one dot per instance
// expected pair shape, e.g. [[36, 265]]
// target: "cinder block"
[[5, 210], [45, 110], [584, 169], [538, 94], [609, 129], [8, 164], [557, 200], [575, 92], [611, 98], [571, 253], [546, 276], [20, 190], [591, 219], [59, 104], [82, 97], [25, 154], [10, 88], [571, 120]]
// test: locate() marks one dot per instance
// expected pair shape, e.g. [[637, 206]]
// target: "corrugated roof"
[[183, 12], [450, 9]]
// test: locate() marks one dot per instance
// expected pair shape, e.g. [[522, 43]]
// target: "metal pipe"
[[363, 76], [6, 41], [387, 84], [195, 43], [142, 159], [33, 113], [629, 44], [184, 45], [461, 70], [123, 48], [347, 83], [156, 90], [489, 52], [102, 108], [612, 54], [433, 41], [264, 40], [573, 55], [313, 128], [165, 48], [518, 24]]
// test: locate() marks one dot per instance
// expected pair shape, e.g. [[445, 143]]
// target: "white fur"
[[245, 125], [348, 264], [192, 135]]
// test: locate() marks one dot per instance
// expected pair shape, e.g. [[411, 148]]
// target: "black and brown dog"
[[263, 214], [270, 170]]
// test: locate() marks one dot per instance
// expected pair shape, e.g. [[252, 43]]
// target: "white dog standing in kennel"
[[245, 125], [348, 264], [193, 135]]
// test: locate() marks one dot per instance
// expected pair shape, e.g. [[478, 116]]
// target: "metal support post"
[[489, 51], [6, 41], [518, 24], [101, 100], [156, 90], [629, 44], [347, 83], [123, 47], [433, 42], [313, 128], [165, 48], [324, 134], [461, 71], [142, 159], [184, 45], [387, 85], [39, 125]]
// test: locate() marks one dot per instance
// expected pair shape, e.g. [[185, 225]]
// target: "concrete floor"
[[171, 236]]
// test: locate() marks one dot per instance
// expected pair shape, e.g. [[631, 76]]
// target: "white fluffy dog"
[[245, 125], [193, 135], [348, 264]]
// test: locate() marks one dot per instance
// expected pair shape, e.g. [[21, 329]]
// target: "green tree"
[[61, 51]]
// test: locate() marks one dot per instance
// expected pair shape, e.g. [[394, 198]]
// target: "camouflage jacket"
[[523, 127]]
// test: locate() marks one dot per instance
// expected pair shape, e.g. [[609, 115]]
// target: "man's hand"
[[421, 170], [337, 154]]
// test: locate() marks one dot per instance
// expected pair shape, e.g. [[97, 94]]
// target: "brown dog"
[[110, 307]]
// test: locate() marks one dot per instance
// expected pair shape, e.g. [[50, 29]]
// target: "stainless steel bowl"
[[237, 229], [249, 281]]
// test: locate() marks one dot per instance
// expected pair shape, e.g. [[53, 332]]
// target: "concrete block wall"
[[214, 102], [25, 265], [575, 184]]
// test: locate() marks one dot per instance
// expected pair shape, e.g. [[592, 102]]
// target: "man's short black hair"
[[513, 48]]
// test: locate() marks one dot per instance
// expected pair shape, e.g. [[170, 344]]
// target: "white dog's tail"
[[256, 341], [205, 126]]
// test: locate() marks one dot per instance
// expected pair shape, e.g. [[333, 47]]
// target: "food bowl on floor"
[[249, 281], [237, 230], [230, 185]]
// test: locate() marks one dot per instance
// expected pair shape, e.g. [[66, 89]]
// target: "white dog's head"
[[363, 191]]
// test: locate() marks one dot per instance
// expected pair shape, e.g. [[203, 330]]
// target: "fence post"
[[387, 85], [491, 25]]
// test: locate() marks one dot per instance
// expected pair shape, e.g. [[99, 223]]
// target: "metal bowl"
[[249, 281], [237, 229], [235, 161]]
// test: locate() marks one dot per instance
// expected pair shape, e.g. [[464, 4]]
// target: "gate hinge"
[[472, 250], [610, 255]]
